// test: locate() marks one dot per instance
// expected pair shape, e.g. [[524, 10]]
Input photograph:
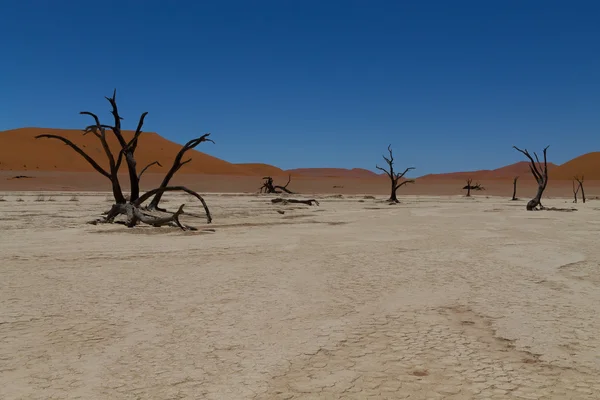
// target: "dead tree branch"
[[146, 167], [177, 164], [396, 179], [540, 173], [131, 206], [575, 191], [269, 186]]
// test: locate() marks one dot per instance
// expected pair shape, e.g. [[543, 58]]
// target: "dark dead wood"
[[269, 186], [161, 190], [540, 173], [514, 196], [177, 164], [580, 182], [127, 150], [82, 153], [309, 202], [575, 191], [146, 167], [131, 205], [470, 187], [396, 179]]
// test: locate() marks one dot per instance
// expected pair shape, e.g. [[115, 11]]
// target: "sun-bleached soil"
[[434, 298]]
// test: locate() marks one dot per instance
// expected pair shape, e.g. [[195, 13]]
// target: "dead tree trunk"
[[396, 179], [514, 197], [580, 182], [131, 206], [468, 187], [269, 187], [540, 173], [575, 191]]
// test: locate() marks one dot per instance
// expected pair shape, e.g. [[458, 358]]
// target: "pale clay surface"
[[435, 298]]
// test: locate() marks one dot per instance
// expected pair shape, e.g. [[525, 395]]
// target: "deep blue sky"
[[315, 83]]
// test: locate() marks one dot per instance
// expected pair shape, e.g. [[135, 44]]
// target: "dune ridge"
[[20, 151]]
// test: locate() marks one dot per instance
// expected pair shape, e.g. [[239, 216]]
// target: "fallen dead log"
[[294, 201]]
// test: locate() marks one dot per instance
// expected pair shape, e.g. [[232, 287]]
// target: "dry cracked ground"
[[435, 298]]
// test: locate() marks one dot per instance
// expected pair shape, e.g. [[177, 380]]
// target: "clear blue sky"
[[315, 83]]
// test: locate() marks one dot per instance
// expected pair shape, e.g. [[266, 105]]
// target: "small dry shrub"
[[20, 199], [2, 198], [74, 198], [40, 198]]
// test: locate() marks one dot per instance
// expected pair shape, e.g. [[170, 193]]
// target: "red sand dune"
[[20, 151], [262, 169], [333, 172], [520, 169], [587, 165]]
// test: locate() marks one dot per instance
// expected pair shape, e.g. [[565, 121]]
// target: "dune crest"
[[20, 151]]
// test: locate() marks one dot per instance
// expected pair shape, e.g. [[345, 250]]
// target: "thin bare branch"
[[82, 153], [161, 190], [146, 167], [384, 170], [178, 164]]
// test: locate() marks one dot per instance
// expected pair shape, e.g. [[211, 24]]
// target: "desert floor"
[[435, 298]]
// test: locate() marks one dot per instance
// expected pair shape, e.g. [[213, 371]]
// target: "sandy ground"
[[435, 298]]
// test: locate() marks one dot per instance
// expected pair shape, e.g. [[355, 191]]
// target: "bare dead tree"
[[294, 201], [540, 173], [269, 186], [575, 191], [131, 206], [397, 179], [515, 179], [580, 182], [469, 186]]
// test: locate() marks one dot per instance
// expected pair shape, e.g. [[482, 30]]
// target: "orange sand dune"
[[262, 169], [587, 165], [520, 169], [334, 172], [20, 151]]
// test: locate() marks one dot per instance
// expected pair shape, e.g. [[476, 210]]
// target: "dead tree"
[[575, 191], [396, 179], [470, 187], [132, 205], [294, 201], [580, 182], [269, 187], [515, 179], [540, 173]]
